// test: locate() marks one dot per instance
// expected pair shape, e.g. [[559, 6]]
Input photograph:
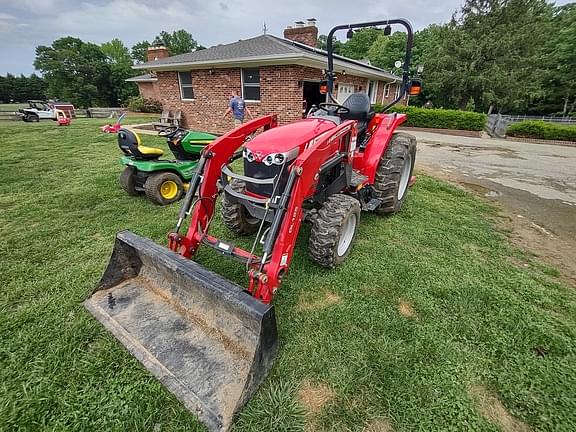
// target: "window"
[[251, 84], [372, 91], [387, 90], [185, 80]]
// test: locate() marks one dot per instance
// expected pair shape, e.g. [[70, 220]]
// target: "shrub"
[[542, 130], [439, 118], [140, 104]]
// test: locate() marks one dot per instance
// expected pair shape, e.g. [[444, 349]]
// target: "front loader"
[[212, 342]]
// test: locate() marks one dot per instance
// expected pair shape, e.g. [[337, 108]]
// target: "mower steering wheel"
[[333, 108], [169, 131]]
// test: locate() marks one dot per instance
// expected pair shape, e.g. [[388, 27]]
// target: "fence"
[[497, 124], [78, 113]]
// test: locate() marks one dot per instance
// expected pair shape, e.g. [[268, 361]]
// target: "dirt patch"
[[406, 309], [317, 301], [378, 425], [314, 396], [492, 409], [554, 246]]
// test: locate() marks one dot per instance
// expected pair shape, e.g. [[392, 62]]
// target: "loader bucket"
[[209, 342]]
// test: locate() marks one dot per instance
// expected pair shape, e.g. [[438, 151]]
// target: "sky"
[[25, 24]]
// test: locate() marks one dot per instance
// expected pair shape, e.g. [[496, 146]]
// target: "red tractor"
[[210, 341]]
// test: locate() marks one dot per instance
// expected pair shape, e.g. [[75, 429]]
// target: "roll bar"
[[407, 59]]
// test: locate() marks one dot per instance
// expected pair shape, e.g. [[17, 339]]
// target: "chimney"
[[157, 53], [305, 33]]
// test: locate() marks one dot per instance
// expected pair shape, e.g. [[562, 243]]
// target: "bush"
[[542, 130], [439, 118], [140, 104]]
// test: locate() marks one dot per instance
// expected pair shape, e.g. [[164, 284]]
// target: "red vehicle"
[[210, 341], [114, 128]]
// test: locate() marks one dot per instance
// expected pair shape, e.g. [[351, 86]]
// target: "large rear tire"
[[394, 172], [334, 230], [128, 181], [235, 216], [164, 188]]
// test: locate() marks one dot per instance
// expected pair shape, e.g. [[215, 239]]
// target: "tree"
[[120, 61], [387, 50], [358, 46], [489, 52], [322, 43], [75, 70], [177, 42], [139, 51]]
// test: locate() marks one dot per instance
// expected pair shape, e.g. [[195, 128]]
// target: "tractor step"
[[373, 204], [357, 179]]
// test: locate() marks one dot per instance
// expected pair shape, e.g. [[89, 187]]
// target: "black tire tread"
[[326, 229], [234, 215], [128, 182], [389, 171], [152, 187]]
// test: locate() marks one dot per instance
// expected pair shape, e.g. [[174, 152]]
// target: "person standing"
[[238, 108]]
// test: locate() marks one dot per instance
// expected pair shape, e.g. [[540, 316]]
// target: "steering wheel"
[[169, 131], [333, 108]]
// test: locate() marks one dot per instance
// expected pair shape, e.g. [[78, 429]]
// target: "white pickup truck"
[[39, 110]]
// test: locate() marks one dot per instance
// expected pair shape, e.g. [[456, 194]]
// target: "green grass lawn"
[[431, 324], [12, 107]]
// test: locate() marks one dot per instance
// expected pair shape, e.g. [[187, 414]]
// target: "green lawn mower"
[[163, 181]]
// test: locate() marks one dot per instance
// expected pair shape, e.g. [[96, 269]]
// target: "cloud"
[[25, 24]]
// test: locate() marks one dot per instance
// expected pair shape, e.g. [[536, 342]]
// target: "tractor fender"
[[383, 126]]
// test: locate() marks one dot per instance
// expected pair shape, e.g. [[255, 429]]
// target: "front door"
[[311, 96], [344, 90]]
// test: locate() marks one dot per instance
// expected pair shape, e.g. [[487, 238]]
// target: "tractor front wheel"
[[235, 216], [164, 188], [334, 230], [128, 181], [394, 172]]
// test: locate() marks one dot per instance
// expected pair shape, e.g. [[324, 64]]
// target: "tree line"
[[89, 74], [513, 56]]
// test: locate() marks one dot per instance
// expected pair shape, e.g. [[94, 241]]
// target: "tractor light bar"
[[272, 158]]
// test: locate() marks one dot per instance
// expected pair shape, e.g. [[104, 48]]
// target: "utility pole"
[[264, 29]]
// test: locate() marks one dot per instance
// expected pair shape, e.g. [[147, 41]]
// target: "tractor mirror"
[[323, 87], [415, 87]]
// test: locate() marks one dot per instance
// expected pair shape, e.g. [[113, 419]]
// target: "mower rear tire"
[[235, 216], [128, 181], [164, 188], [394, 173], [334, 230]]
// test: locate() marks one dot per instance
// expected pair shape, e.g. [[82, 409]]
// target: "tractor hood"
[[284, 138]]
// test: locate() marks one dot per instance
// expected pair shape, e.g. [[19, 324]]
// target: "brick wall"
[[280, 92], [148, 90]]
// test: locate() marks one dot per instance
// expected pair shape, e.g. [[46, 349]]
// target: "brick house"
[[273, 75]]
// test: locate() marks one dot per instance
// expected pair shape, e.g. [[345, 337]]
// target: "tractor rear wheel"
[[128, 181], [394, 172], [164, 188], [334, 230], [235, 216]]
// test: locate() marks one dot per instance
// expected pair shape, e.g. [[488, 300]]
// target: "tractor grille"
[[259, 170]]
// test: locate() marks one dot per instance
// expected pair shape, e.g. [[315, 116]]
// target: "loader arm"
[[201, 210]]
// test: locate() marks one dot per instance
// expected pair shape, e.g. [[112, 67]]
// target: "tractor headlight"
[[280, 158], [248, 155]]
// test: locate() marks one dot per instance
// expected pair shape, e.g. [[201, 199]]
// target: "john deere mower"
[[208, 340], [163, 181]]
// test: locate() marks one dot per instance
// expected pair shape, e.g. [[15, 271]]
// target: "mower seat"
[[360, 110], [131, 145]]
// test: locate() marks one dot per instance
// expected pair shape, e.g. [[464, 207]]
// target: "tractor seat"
[[360, 110], [131, 145]]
